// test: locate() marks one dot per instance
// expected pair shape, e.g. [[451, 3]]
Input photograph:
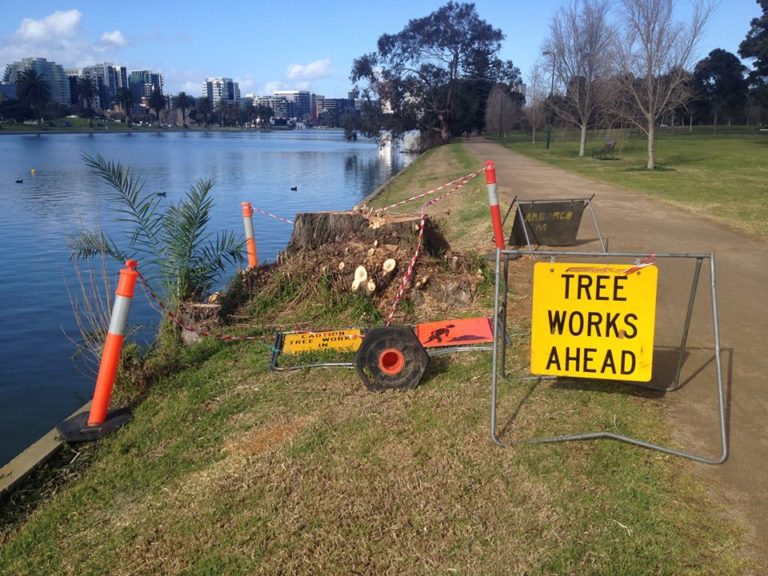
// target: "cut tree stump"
[[199, 316], [314, 229]]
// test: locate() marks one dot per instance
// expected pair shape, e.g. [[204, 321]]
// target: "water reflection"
[[38, 384]]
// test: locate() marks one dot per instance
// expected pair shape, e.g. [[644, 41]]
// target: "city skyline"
[[311, 48]]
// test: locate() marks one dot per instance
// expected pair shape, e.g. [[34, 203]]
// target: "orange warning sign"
[[461, 332]]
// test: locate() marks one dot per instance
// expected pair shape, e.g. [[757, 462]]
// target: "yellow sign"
[[343, 340], [593, 321]]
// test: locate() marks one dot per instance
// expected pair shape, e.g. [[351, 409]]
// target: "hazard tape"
[[458, 185], [459, 182], [275, 216], [641, 263]]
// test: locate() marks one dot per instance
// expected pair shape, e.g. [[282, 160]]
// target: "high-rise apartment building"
[[107, 80], [143, 82], [218, 89], [281, 108], [51, 72], [318, 105], [302, 100]]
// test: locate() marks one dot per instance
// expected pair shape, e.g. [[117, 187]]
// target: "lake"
[[40, 384]]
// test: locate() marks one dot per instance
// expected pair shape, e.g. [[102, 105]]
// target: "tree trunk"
[[313, 229], [583, 141], [651, 144]]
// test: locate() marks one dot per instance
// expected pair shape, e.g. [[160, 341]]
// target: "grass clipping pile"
[[343, 254]]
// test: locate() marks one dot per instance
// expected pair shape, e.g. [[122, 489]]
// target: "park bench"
[[606, 151]]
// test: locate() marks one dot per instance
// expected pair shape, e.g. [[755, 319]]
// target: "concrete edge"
[[32, 457]]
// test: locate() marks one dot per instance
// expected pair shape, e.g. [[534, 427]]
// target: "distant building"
[[218, 89], [281, 107], [318, 105], [51, 72], [301, 99], [143, 82], [107, 79], [7, 90]]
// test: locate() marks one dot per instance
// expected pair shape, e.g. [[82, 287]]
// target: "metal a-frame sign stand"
[[499, 360], [564, 216]]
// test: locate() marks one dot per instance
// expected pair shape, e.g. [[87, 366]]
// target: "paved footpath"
[[631, 221]]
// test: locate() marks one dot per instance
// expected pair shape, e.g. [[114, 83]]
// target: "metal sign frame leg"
[[498, 356], [519, 215]]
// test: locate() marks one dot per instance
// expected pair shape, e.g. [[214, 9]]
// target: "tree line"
[[605, 67], [606, 64]]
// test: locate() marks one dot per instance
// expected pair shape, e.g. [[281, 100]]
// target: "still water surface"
[[39, 383]]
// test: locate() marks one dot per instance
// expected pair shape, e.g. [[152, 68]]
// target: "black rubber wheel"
[[389, 358]]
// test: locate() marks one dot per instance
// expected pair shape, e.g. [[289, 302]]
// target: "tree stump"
[[198, 316], [314, 229]]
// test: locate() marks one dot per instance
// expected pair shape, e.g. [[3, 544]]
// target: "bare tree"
[[579, 42], [503, 109], [653, 54], [535, 98]]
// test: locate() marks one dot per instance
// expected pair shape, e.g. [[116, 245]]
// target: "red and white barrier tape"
[[459, 182], [275, 216], [641, 263], [458, 185]]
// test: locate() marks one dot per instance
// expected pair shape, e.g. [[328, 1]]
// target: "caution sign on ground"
[[593, 321], [342, 340]]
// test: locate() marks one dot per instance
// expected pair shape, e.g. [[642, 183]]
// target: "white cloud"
[[60, 24], [273, 85], [115, 38], [191, 88], [312, 71], [60, 38]]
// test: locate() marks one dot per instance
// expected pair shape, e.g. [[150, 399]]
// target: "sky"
[[266, 46]]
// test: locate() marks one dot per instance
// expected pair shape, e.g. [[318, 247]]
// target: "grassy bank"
[[723, 176], [228, 468]]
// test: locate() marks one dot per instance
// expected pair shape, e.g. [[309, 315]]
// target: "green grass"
[[722, 176], [228, 468]]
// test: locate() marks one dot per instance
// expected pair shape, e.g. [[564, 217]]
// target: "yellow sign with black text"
[[593, 321], [342, 340]]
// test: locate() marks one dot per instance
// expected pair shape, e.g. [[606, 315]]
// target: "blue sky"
[[273, 45]]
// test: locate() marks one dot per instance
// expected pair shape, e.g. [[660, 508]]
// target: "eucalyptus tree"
[[579, 45], [248, 111], [418, 73], [183, 103], [173, 241], [719, 81], [263, 114], [34, 92], [653, 54], [755, 45]]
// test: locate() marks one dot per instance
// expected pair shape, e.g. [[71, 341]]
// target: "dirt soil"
[[633, 222], [431, 291]]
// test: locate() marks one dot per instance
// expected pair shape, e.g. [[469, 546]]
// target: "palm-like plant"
[[203, 108], [174, 241], [157, 102], [86, 92], [34, 91], [184, 103], [125, 99]]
